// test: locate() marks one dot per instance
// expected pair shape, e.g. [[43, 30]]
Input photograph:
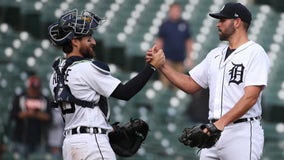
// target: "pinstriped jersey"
[[226, 78], [88, 82]]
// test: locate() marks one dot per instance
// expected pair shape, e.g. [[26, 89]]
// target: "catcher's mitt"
[[126, 140], [195, 136]]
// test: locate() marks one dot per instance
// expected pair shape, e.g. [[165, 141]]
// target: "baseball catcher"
[[126, 140], [197, 136], [81, 87]]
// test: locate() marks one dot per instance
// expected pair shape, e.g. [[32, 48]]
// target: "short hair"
[[67, 47], [246, 26], [175, 4]]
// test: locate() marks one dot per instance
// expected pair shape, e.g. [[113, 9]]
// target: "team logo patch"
[[236, 73], [182, 27]]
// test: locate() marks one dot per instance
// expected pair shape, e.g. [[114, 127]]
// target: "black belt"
[[84, 129], [240, 120]]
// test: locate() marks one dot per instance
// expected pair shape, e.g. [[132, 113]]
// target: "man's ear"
[[238, 22], [75, 42]]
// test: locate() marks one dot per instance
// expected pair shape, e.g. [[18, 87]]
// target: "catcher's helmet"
[[71, 25]]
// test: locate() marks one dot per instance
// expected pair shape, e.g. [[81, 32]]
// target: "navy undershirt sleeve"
[[134, 85]]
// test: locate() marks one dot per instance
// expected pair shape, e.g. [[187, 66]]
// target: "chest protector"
[[62, 92]]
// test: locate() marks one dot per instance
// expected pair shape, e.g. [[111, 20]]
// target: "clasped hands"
[[155, 56]]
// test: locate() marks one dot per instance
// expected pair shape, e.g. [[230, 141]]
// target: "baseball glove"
[[126, 140], [195, 136]]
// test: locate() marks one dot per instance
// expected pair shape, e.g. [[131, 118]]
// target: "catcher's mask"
[[71, 25]]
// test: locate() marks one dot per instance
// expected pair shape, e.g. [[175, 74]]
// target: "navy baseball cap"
[[233, 10]]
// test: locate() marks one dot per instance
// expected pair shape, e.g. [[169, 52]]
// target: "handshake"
[[155, 56]]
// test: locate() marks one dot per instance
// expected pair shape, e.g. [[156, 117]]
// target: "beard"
[[87, 52], [225, 34]]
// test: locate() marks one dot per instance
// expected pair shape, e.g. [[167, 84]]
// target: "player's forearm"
[[247, 101], [234, 114], [128, 90], [180, 80]]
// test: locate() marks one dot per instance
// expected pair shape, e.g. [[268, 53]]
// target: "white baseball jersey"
[[247, 65], [86, 82]]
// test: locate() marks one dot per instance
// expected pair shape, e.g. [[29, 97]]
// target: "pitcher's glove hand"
[[196, 137], [126, 140]]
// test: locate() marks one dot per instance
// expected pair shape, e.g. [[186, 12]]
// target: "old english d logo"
[[236, 73]]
